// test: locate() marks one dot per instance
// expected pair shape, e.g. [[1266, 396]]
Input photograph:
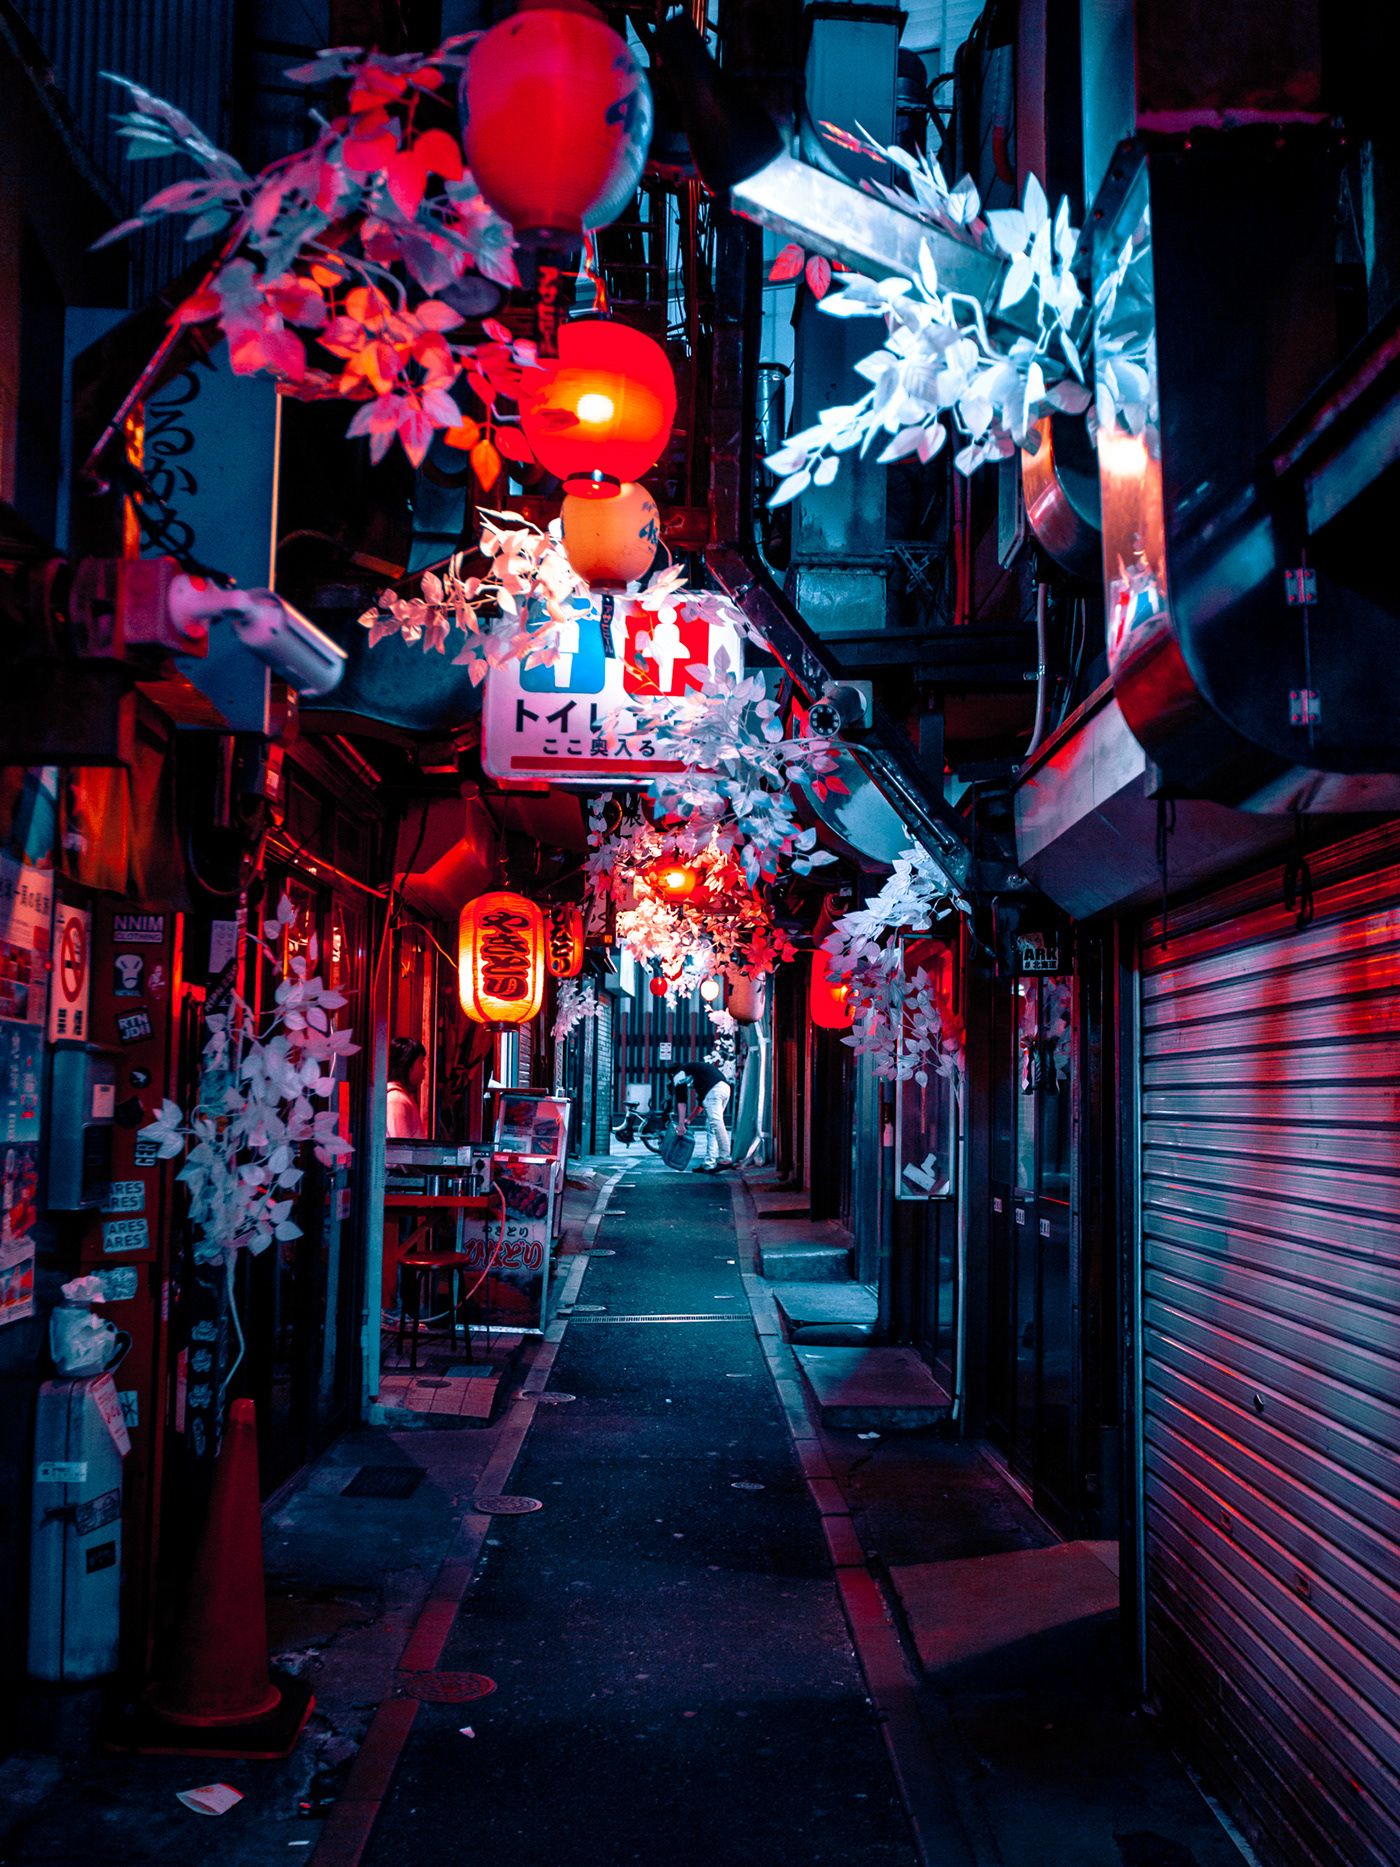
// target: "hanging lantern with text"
[[556, 121], [500, 959], [611, 542], [563, 952], [600, 415], [828, 999]]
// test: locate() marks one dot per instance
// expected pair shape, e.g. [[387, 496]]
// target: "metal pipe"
[[1042, 598]]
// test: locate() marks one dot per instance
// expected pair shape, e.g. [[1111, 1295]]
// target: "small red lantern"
[[611, 542], [673, 881], [601, 414], [500, 959], [828, 999], [657, 988], [557, 120], [563, 953]]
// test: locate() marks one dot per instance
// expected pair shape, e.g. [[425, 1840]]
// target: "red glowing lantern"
[[557, 120], [500, 959], [601, 414], [657, 988], [828, 999], [611, 542], [563, 952], [673, 881]]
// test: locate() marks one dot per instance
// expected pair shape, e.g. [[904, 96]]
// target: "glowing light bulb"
[[595, 407], [709, 990]]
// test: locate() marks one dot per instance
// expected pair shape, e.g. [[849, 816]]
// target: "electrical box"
[[75, 1564], [82, 1105]]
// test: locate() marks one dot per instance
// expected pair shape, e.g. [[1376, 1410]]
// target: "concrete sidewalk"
[[347, 1580]]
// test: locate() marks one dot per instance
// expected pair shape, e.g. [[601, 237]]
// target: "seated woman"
[[407, 1060]]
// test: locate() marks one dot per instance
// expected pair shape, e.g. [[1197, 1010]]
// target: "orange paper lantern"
[[600, 414], [500, 959], [673, 881], [611, 542], [563, 952], [828, 999], [557, 116]]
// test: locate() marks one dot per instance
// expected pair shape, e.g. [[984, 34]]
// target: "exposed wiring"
[[1042, 674], [237, 1328]]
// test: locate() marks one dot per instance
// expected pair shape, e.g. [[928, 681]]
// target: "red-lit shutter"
[[1270, 1131]]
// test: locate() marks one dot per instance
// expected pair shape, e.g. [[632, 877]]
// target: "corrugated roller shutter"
[[1271, 1286]]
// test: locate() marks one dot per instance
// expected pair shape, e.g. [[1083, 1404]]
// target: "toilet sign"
[[551, 723], [72, 974]]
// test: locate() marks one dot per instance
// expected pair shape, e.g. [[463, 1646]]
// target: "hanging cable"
[[1166, 823], [1298, 894], [1042, 671]]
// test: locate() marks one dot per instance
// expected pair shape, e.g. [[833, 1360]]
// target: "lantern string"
[[593, 272]]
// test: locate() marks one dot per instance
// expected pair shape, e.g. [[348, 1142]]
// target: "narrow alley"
[[666, 1640]]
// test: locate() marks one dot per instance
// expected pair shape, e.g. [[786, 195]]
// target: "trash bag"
[[679, 1148]]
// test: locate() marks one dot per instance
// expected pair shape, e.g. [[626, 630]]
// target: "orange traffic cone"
[[218, 1696]]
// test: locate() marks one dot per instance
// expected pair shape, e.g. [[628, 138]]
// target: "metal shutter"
[[1270, 1130]]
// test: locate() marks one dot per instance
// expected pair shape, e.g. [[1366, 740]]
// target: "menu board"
[[532, 1134]]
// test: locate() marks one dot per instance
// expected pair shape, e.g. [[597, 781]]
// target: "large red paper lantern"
[[601, 413], [500, 958], [563, 949], [557, 120], [828, 999], [611, 542]]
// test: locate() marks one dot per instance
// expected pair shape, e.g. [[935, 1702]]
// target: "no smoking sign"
[[68, 1001]]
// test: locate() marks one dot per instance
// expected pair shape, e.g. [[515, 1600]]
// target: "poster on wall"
[[28, 813], [926, 1114]]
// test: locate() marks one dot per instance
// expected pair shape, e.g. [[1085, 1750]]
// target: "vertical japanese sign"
[[28, 806], [553, 722]]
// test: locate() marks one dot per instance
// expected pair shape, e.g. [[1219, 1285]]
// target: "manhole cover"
[[445, 1688], [393, 1481], [548, 1400], [506, 1506]]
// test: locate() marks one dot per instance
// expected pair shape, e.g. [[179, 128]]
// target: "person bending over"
[[711, 1090]]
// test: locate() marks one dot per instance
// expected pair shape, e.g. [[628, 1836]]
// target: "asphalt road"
[[674, 1678]]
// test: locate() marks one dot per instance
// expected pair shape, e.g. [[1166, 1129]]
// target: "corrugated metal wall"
[[1271, 1290], [183, 50]]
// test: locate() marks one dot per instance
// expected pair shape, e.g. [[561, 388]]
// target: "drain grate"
[[445, 1688], [699, 1317], [391, 1481]]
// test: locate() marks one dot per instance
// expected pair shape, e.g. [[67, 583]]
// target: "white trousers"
[[716, 1134]]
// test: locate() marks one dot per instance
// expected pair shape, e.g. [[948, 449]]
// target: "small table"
[[421, 1266]]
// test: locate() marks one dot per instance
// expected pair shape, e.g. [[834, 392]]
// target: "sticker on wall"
[[133, 1027], [124, 1235], [72, 974], [125, 1196], [128, 971], [138, 929]]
